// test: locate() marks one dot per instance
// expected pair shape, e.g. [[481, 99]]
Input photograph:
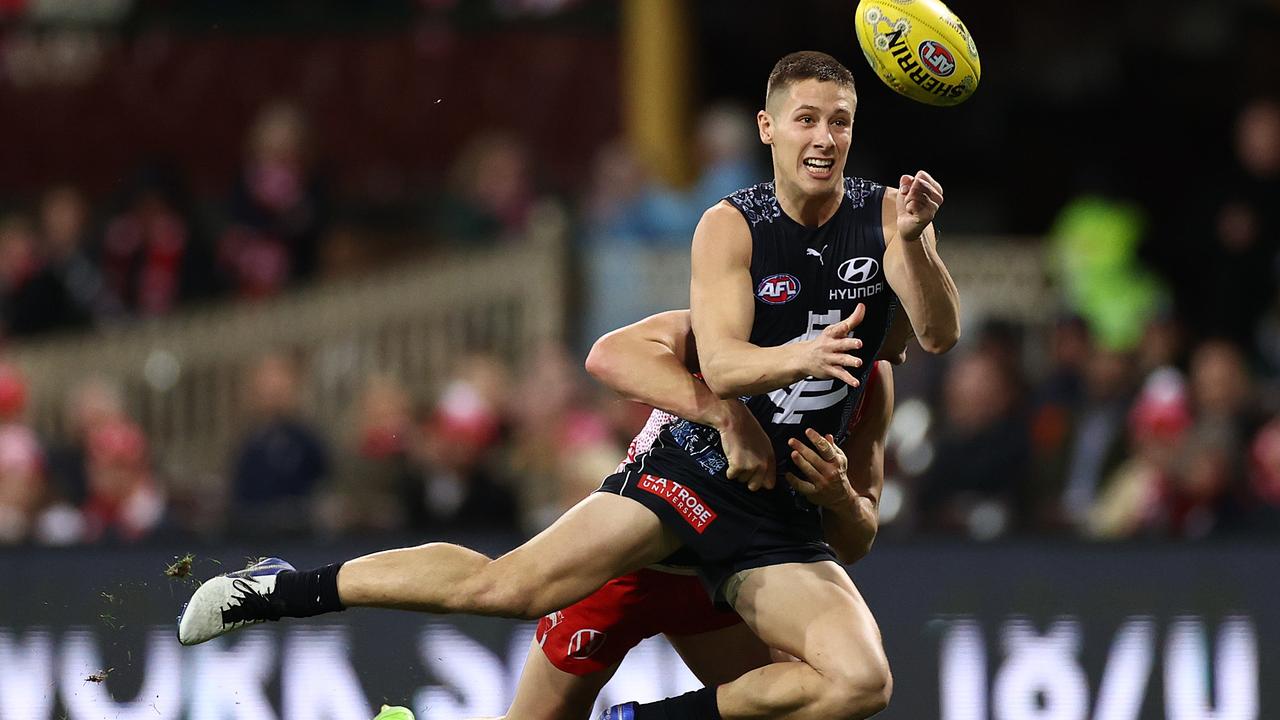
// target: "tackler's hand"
[[824, 468], [748, 448]]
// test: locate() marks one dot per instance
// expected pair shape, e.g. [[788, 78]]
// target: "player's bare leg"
[[814, 612], [810, 611], [721, 656], [546, 692], [600, 538]]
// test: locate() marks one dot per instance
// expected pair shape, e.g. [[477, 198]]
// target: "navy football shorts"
[[725, 527]]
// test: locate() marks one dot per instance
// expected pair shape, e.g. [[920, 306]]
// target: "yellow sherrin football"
[[920, 49]]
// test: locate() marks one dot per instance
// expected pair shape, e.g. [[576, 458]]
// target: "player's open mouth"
[[819, 167]]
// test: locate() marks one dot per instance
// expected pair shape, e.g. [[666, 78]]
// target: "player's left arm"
[[846, 480], [912, 265]]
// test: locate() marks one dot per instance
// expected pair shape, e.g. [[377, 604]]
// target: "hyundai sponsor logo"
[[857, 271]]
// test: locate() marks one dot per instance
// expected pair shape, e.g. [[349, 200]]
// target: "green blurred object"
[[394, 712], [1094, 258]]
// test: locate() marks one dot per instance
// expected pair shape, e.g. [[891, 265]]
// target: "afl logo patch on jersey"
[[937, 58], [857, 271], [778, 289]]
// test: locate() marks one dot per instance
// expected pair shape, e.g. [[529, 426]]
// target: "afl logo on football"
[[585, 643], [937, 58], [778, 289], [856, 271]]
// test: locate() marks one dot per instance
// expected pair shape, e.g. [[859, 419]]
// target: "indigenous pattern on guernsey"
[[838, 265]]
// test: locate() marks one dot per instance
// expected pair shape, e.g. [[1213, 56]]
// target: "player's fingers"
[[846, 345], [856, 318], [904, 182], [845, 359], [924, 176], [825, 449], [802, 487], [814, 458], [934, 189], [839, 373], [934, 201], [927, 190], [805, 467], [837, 329]]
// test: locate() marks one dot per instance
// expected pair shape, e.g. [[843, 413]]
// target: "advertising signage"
[[1054, 632]]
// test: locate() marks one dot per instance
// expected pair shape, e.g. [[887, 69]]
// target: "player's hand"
[[824, 468], [919, 197], [830, 354], [747, 447]]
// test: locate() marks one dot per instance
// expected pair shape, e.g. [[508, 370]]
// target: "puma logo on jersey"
[[818, 253]]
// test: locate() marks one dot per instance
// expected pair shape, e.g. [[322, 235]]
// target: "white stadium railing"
[[183, 375]]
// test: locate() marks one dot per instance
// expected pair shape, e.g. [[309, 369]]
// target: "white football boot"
[[230, 602]]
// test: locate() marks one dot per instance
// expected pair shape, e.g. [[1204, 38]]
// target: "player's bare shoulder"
[[723, 228], [723, 217]]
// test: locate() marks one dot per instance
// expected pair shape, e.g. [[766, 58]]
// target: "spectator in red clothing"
[[278, 209], [461, 481], [125, 502], [152, 257], [22, 483]]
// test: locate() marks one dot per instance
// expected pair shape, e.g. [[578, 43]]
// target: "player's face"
[[810, 126]]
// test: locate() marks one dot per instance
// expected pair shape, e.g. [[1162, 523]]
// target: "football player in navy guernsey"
[[781, 271], [782, 274], [577, 650]]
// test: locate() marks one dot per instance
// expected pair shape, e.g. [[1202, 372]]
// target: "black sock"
[[696, 705], [305, 593]]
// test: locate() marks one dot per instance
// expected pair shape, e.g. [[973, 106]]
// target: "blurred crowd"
[[70, 264], [1156, 409]]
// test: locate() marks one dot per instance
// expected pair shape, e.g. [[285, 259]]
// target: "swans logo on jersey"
[[856, 271], [937, 58], [585, 643], [778, 289]]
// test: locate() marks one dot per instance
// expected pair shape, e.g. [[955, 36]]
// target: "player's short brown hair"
[[807, 65]]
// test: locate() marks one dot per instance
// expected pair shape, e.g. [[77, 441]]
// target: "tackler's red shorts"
[[598, 631]]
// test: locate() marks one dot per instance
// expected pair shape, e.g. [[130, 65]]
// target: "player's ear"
[[765, 123]]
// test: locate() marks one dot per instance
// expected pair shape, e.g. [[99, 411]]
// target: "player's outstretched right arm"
[[722, 304]]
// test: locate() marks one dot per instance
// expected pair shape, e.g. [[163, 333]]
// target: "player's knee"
[[499, 592], [859, 694]]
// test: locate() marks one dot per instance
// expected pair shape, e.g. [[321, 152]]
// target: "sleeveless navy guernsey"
[[805, 279]]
